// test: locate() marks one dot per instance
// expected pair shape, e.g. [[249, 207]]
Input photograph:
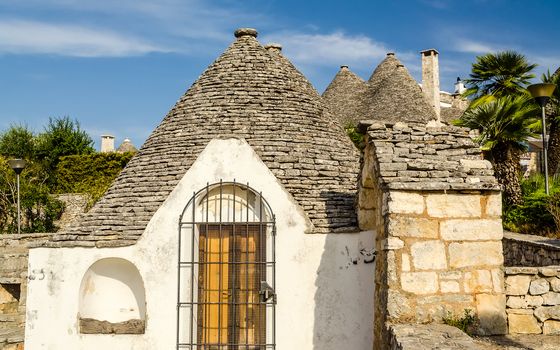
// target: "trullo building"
[[233, 227]]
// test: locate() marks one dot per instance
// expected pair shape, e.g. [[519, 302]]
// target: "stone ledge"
[[92, 326], [428, 337]]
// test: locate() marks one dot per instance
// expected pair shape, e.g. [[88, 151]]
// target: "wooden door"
[[232, 265]]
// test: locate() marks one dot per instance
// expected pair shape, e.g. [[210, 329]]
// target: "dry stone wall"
[[436, 207], [533, 299], [530, 250], [443, 255], [13, 286]]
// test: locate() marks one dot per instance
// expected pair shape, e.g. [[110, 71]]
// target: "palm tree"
[[504, 124], [499, 74], [553, 117]]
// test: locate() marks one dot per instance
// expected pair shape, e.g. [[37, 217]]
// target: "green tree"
[[499, 74], [17, 142], [39, 209], [504, 124], [62, 137], [553, 118]]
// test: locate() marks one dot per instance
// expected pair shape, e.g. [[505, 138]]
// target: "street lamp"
[[541, 93], [18, 165]]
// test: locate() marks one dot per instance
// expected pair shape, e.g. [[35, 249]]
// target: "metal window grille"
[[226, 270]]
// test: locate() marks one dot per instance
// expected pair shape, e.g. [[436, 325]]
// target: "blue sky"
[[118, 66]]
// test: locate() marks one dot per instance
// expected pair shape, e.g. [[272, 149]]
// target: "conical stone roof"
[[383, 70], [345, 96], [249, 93], [394, 96]]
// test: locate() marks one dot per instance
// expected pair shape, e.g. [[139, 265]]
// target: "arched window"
[[112, 298], [226, 270]]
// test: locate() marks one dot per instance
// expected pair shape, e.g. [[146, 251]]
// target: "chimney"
[[430, 77], [107, 143], [459, 86]]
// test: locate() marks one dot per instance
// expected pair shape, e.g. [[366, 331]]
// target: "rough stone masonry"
[[437, 209]]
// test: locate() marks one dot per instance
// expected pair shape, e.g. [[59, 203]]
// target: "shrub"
[[468, 323], [90, 173]]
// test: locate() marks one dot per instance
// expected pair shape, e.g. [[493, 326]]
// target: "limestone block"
[[555, 284], [453, 205], [523, 302], [391, 266], [451, 275], [405, 263], [449, 287], [534, 300], [475, 254], [405, 203], [478, 281], [520, 311], [521, 270], [419, 282], [514, 302], [548, 271], [398, 305], [403, 226], [471, 230], [498, 280], [539, 286], [551, 327], [517, 285], [494, 205], [368, 172], [491, 310], [392, 243], [523, 324], [551, 298], [544, 313], [367, 198], [428, 255], [366, 219]]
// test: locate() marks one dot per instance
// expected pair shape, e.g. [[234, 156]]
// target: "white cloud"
[[30, 37], [471, 46], [328, 49]]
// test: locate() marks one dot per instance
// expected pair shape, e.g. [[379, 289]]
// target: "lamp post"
[[18, 165], [541, 93]]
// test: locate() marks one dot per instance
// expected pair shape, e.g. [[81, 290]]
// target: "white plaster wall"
[[324, 288]]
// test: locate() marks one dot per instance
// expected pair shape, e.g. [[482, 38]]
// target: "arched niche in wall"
[[112, 299]]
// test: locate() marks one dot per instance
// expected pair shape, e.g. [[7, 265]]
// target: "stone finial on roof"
[[345, 96], [275, 47], [245, 32]]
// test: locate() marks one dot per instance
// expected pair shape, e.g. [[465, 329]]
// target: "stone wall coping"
[[535, 240], [418, 157], [428, 336]]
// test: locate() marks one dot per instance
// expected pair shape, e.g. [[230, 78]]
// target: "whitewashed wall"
[[324, 287]]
